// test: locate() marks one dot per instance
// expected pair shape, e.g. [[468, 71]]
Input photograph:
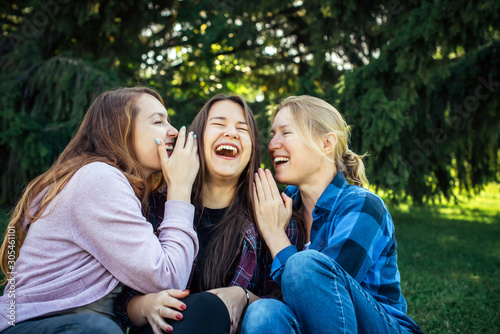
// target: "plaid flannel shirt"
[[353, 227]]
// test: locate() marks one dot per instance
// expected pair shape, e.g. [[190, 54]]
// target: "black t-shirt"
[[205, 228]]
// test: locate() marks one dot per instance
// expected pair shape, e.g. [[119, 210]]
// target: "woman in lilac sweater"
[[81, 224]]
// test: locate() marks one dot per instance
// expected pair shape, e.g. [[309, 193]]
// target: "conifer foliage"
[[418, 81]]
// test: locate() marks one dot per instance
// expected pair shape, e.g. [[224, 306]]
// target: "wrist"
[[274, 236], [136, 312], [276, 243], [246, 297], [142, 306], [179, 193]]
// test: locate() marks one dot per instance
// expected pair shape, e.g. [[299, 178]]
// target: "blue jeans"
[[68, 323], [320, 297]]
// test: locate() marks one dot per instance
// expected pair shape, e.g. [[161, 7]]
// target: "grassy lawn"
[[449, 259]]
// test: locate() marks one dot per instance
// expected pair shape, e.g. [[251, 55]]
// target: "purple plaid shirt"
[[253, 271]]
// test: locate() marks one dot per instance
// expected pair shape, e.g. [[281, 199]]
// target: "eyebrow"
[[223, 119], [281, 127], [161, 114]]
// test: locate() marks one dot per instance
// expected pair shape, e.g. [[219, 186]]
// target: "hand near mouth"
[[180, 169], [272, 211]]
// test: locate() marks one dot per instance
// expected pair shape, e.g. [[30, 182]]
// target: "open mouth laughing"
[[170, 148], [279, 160], [226, 150]]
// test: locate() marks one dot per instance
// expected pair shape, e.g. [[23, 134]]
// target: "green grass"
[[449, 259]]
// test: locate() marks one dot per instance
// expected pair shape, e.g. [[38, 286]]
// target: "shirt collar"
[[332, 192], [327, 199]]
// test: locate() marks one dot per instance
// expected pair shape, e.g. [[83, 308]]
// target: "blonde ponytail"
[[353, 168]]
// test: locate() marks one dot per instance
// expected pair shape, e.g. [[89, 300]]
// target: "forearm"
[[276, 241], [253, 297], [134, 310]]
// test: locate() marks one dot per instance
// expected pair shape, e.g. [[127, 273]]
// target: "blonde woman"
[[347, 281]]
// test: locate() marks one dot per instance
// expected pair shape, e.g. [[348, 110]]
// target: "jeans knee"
[[299, 268], [305, 268], [260, 315], [261, 310]]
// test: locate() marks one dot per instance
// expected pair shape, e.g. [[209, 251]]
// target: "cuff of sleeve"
[[177, 208], [120, 307], [279, 262]]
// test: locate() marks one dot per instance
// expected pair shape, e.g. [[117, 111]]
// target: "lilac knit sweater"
[[91, 237]]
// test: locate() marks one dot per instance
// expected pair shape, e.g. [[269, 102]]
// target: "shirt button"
[[248, 232], [316, 211]]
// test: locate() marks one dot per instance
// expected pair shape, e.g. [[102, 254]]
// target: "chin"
[[280, 178]]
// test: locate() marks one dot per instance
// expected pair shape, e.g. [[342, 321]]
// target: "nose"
[[172, 132], [231, 132], [274, 144]]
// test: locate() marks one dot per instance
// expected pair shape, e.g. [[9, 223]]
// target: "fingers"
[[181, 139], [288, 203], [179, 294], [167, 309], [267, 188], [272, 184], [168, 313], [259, 189], [169, 300], [265, 184], [191, 142], [161, 325], [186, 140], [255, 195], [162, 150]]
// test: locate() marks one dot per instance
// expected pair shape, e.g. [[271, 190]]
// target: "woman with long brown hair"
[[232, 262], [80, 231]]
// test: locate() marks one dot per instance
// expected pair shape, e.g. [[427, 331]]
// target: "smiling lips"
[[170, 148], [280, 160], [227, 150]]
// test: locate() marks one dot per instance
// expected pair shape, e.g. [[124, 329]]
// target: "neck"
[[217, 195], [311, 191]]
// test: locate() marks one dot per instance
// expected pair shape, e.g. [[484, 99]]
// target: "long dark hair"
[[105, 135], [225, 246]]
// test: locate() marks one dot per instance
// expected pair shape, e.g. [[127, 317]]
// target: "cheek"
[[249, 148], [207, 149]]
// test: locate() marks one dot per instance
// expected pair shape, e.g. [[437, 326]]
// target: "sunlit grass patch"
[[482, 208], [449, 259]]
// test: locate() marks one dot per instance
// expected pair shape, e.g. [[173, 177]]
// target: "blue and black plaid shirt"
[[353, 226]]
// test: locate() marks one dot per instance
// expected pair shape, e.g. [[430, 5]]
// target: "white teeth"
[[227, 147], [281, 159], [170, 147]]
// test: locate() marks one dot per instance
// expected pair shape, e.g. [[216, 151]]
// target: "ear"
[[329, 143]]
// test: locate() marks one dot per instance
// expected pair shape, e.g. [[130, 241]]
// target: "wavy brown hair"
[[104, 135], [225, 246]]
